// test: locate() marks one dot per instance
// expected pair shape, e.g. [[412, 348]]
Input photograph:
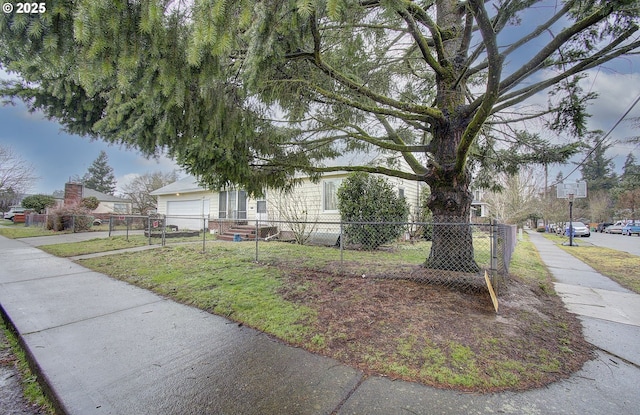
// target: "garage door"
[[187, 214], [187, 207]]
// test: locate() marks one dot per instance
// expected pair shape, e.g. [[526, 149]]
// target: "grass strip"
[[95, 245], [31, 388]]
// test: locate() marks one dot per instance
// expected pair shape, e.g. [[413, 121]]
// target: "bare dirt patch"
[[419, 331]]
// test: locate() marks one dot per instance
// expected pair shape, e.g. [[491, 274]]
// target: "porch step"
[[245, 232]]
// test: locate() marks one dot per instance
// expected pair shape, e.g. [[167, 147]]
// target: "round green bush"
[[374, 212]]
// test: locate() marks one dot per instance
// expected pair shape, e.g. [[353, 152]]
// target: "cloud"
[[123, 181], [616, 93]]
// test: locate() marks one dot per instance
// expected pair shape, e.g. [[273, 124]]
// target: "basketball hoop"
[[570, 196]]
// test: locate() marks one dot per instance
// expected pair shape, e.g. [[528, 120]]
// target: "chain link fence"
[[456, 255], [62, 222], [452, 254]]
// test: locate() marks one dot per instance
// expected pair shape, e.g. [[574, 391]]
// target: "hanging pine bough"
[[253, 93]]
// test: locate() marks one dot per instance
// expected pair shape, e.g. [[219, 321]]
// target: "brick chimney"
[[72, 194]]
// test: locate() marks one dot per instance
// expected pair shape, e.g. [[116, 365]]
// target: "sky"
[[56, 156]]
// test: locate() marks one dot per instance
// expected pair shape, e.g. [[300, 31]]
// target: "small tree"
[[100, 175], [90, 203], [139, 189], [38, 202], [294, 210], [16, 175], [372, 201]]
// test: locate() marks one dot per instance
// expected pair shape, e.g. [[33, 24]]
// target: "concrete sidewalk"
[[106, 347]]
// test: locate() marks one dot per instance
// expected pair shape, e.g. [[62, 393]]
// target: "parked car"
[[631, 228], [602, 226], [12, 212], [579, 229], [615, 228]]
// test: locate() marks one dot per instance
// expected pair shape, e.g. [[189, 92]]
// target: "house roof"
[[86, 192], [102, 197], [188, 184]]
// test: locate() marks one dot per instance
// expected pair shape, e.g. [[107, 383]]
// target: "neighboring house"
[[479, 208], [185, 203], [109, 204]]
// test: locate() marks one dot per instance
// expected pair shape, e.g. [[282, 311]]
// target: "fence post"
[[257, 230], [204, 233], [149, 229], [341, 245], [164, 229], [494, 245]]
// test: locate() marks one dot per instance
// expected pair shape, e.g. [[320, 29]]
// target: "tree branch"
[[564, 36], [424, 112], [492, 88], [515, 97], [422, 43]]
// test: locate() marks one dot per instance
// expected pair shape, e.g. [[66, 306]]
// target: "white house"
[[479, 208], [185, 202]]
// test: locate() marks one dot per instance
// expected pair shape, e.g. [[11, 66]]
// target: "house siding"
[[306, 200], [310, 198]]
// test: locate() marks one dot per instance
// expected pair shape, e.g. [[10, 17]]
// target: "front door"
[[232, 204], [261, 210]]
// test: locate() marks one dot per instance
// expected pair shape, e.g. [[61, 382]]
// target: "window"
[[401, 192], [330, 195], [222, 205], [262, 206], [232, 204], [120, 208]]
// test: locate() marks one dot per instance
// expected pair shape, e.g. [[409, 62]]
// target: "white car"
[[615, 228], [579, 229], [12, 212]]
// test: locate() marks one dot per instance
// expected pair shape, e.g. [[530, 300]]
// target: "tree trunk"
[[450, 204], [452, 241]]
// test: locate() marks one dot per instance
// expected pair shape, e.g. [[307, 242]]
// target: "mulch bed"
[[389, 323]]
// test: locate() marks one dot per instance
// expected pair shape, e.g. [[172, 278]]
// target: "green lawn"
[[91, 246], [226, 280], [31, 388], [18, 230]]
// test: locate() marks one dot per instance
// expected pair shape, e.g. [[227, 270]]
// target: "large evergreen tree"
[[253, 92], [627, 191], [597, 169], [100, 175]]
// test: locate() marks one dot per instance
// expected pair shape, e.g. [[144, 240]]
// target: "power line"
[[599, 142]]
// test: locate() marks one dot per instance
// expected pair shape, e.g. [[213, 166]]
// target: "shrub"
[[76, 219], [366, 198], [90, 203], [38, 203]]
